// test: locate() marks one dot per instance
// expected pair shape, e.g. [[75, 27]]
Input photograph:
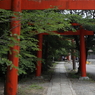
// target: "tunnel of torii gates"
[[18, 6]]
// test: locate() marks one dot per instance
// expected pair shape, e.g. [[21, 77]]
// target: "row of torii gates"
[[18, 6]]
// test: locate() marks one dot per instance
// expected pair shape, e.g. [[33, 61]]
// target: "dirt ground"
[[30, 87], [33, 87]]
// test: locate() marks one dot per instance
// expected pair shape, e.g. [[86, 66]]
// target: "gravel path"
[[81, 87]]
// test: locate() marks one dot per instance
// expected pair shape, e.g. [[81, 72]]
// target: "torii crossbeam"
[[45, 4]]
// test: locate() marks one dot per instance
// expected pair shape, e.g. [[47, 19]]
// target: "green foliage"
[[35, 22], [53, 48], [73, 75], [35, 86], [44, 21]]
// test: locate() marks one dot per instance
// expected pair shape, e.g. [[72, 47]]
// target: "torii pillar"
[[82, 55], [39, 55], [73, 57], [12, 74]]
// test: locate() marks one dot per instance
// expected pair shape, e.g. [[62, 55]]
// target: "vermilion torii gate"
[[81, 32], [18, 6]]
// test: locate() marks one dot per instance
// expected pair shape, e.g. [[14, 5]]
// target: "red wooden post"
[[73, 57], [39, 55], [82, 54], [12, 74]]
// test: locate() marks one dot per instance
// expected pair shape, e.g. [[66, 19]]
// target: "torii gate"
[[18, 6], [81, 32]]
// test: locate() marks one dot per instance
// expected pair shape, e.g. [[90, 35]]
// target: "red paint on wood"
[[73, 57], [45, 4], [82, 55], [39, 55], [5, 4], [86, 32], [12, 74]]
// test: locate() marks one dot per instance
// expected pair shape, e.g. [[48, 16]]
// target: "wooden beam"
[[86, 32], [5, 4], [45, 4]]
